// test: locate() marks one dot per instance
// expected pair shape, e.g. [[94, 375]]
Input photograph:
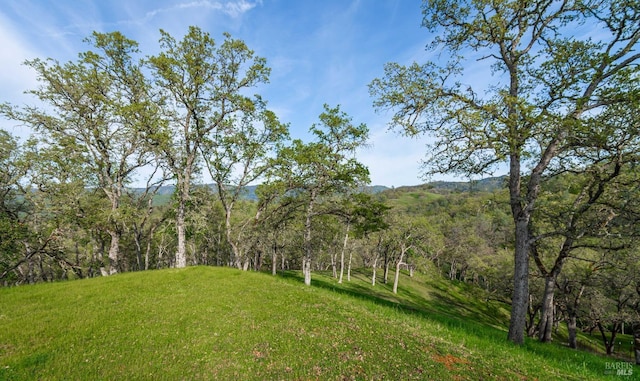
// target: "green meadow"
[[211, 323]]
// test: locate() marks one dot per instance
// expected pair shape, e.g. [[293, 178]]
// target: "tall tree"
[[204, 85], [532, 113], [365, 215], [238, 153], [323, 167], [99, 110]]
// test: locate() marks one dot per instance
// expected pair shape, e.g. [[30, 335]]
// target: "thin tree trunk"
[[375, 261], [546, 313], [147, 254], [137, 240], [397, 274], [396, 278], [636, 342], [349, 266], [572, 327], [608, 343], [237, 255], [306, 262], [334, 265], [452, 270], [344, 248], [375, 266], [114, 249], [532, 312], [385, 275]]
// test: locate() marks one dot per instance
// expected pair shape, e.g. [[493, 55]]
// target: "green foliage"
[[539, 112]]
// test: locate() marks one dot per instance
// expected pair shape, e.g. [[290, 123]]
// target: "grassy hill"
[[484, 185], [220, 323]]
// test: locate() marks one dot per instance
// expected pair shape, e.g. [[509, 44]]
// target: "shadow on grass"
[[442, 309], [446, 306]]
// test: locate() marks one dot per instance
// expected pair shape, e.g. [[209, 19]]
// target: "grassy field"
[[220, 323]]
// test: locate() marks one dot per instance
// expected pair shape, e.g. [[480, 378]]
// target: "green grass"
[[220, 323]]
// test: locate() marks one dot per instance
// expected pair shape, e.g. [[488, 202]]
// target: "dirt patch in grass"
[[449, 361]]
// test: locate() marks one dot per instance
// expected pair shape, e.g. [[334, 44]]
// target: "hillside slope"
[[220, 323]]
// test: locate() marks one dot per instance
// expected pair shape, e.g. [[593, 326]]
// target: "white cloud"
[[15, 77], [14, 51], [231, 8]]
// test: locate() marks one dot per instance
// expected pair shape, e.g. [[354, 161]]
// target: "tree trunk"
[[344, 248], [636, 342], [349, 266], [237, 255], [397, 274], [396, 278], [306, 270], [306, 262], [138, 241], [520, 299], [375, 266], [274, 258], [572, 310], [452, 270], [572, 329], [385, 275], [181, 254], [546, 313], [334, 266], [114, 249], [608, 343], [532, 311]]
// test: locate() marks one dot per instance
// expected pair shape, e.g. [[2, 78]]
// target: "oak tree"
[[207, 112], [545, 83]]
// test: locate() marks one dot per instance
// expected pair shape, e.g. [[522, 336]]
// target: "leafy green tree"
[[367, 215], [277, 220], [533, 114], [408, 237], [204, 86], [583, 212], [574, 287], [239, 148], [609, 306], [12, 229], [323, 167], [99, 110]]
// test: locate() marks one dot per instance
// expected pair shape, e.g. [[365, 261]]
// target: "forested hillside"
[[111, 179]]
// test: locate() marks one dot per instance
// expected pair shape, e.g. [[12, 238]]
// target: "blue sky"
[[320, 51]]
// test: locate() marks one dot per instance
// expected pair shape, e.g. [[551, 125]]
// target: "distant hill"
[[489, 184], [249, 193], [485, 185]]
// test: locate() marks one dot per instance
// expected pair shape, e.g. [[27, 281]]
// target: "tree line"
[[113, 118], [562, 115]]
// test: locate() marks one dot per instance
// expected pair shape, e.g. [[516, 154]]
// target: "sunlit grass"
[[220, 323]]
